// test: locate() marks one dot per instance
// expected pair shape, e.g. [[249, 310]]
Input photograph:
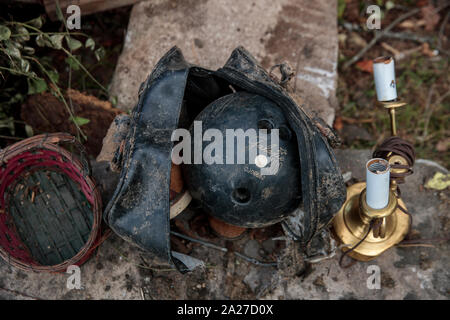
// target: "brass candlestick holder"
[[352, 223], [369, 231], [392, 106]]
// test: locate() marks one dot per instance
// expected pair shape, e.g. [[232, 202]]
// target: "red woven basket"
[[50, 208]]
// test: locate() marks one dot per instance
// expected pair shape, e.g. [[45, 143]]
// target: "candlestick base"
[[351, 224]]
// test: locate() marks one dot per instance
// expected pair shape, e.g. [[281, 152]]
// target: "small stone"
[[318, 282], [356, 40], [252, 249], [425, 261], [387, 281], [198, 43], [269, 246], [342, 38]]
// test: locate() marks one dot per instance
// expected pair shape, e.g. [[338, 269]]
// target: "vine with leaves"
[[18, 43]]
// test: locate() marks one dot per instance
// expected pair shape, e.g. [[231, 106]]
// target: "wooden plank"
[[86, 6], [22, 1]]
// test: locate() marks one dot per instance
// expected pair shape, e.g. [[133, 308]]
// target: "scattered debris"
[[365, 65], [439, 181], [347, 176]]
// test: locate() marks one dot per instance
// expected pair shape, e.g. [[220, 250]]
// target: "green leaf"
[[16, 44], [90, 43], [59, 13], [73, 44], [100, 53], [29, 50], [12, 49], [56, 41], [40, 40], [389, 5], [80, 121], [8, 123], [72, 62], [17, 98], [341, 8], [5, 33], [36, 85], [37, 22], [113, 100], [53, 75], [24, 65], [29, 130], [22, 34]]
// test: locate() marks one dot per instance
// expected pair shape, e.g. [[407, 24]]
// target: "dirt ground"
[[44, 113]]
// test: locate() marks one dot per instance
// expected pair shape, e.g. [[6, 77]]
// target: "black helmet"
[[175, 94]]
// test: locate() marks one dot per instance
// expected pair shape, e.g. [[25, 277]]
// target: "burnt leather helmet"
[[240, 193], [174, 94]]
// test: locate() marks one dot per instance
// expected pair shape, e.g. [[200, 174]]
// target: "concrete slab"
[[121, 271], [417, 272], [302, 32]]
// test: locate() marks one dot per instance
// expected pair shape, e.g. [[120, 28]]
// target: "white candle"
[[384, 75], [377, 179]]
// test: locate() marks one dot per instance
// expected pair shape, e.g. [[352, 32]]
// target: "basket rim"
[[52, 142]]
